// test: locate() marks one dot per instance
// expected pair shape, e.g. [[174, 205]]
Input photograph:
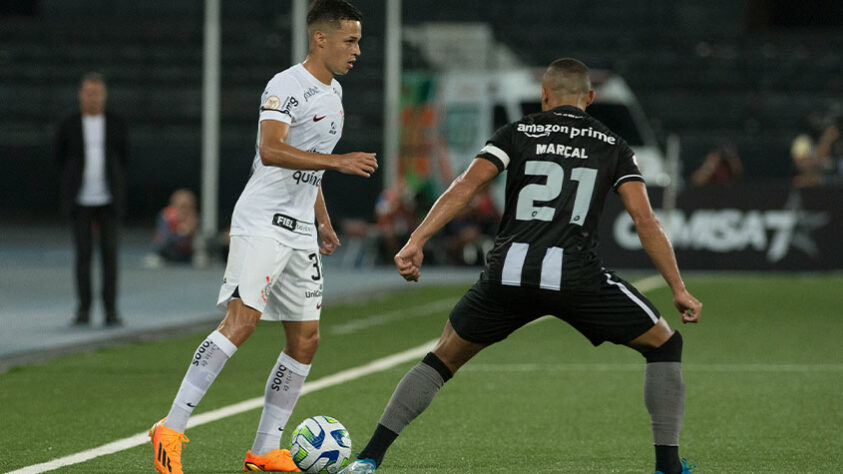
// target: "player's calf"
[[411, 397], [664, 397]]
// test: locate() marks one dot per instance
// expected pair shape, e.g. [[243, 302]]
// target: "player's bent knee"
[[238, 331], [670, 351], [302, 347], [306, 343], [436, 363], [239, 323]]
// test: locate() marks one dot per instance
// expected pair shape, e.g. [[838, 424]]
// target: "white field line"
[[348, 375], [392, 316], [378, 365], [650, 283]]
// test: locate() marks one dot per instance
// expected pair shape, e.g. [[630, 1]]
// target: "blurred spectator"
[[830, 152], [92, 150], [175, 227], [396, 216], [721, 166], [465, 239], [470, 234], [818, 155]]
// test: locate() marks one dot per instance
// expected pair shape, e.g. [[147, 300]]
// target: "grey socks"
[[664, 396]]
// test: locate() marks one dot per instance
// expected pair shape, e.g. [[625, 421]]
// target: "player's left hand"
[[328, 239], [409, 261], [689, 306]]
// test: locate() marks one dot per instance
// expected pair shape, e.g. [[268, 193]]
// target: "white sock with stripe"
[[207, 363], [283, 388]]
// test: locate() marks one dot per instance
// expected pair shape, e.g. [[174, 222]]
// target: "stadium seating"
[[750, 89]]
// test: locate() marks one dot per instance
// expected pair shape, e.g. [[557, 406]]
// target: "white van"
[[471, 106]]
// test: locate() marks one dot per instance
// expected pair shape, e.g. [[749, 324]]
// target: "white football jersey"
[[278, 202]]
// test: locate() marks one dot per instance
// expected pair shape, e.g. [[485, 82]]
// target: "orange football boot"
[[167, 443], [277, 460]]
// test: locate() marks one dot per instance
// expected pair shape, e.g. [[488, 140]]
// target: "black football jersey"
[[562, 163]]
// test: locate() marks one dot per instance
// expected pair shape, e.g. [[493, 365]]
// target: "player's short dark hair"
[[332, 12], [567, 76], [91, 76]]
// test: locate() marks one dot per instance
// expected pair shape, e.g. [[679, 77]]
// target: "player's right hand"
[[689, 306], [409, 261], [361, 164]]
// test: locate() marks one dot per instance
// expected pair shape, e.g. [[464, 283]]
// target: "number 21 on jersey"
[[526, 208]]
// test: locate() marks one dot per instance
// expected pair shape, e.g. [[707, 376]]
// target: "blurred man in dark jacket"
[[92, 151]]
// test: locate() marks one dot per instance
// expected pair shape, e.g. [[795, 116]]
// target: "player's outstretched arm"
[[275, 151], [455, 198], [657, 245]]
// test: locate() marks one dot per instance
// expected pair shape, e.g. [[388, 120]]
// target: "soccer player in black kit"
[[561, 165]]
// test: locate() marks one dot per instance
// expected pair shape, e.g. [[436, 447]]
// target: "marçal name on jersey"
[[564, 151]]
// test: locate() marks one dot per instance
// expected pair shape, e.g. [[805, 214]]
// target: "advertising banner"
[[745, 227]]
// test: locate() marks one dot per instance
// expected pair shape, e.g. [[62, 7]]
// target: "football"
[[321, 444]]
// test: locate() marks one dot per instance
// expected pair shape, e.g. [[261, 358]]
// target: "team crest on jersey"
[[265, 290], [272, 103]]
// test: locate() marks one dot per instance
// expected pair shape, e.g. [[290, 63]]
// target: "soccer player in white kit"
[[274, 271]]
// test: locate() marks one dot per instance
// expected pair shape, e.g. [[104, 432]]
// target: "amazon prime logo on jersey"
[[310, 93], [538, 130], [533, 130]]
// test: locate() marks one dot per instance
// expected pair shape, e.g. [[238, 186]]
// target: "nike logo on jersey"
[[318, 305], [316, 118], [190, 405]]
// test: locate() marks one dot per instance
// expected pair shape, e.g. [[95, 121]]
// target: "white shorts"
[[283, 283]]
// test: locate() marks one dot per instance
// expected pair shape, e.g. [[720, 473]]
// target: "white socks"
[[282, 392], [207, 363]]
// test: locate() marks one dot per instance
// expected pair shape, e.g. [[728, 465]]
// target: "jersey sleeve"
[[627, 169], [282, 100], [499, 148]]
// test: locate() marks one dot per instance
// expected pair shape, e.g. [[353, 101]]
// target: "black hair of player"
[[570, 65], [333, 12], [567, 75], [91, 76]]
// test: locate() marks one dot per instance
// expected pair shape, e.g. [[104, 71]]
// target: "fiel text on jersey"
[[292, 224]]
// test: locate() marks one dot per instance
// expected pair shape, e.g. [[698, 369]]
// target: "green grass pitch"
[[764, 376]]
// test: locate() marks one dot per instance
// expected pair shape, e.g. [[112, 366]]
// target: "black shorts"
[[617, 312]]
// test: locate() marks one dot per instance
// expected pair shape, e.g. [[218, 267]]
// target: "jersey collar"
[[570, 109]]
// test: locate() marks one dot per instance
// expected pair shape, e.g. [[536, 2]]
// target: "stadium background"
[[747, 73], [767, 357]]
